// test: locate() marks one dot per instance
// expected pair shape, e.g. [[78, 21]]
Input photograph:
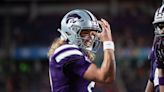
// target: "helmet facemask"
[[159, 29], [88, 41]]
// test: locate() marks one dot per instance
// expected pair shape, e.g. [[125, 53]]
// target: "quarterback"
[[71, 56]]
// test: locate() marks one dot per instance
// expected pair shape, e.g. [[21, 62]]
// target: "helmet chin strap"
[[63, 35]]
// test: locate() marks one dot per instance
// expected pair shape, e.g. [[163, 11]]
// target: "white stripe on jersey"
[[156, 82], [90, 86], [67, 53], [64, 47], [50, 79]]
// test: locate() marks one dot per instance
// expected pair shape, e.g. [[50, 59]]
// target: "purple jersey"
[[67, 66], [154, 71]]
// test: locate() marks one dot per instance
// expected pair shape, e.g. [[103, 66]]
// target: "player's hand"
[[159, 51], [105, 35]]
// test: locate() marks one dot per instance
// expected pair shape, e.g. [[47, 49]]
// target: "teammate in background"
[[156, 81], [71, 67], [159, 53]]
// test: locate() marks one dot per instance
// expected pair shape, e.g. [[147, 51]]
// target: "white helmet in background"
[[75, 21], [159, 21]]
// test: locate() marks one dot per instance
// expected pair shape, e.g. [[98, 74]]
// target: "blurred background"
[[27, 28]]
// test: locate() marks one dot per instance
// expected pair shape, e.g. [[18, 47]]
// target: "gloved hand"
[[159, 52]]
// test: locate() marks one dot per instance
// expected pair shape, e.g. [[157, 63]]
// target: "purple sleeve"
[[151, 76], [78, 65], [151, 59]]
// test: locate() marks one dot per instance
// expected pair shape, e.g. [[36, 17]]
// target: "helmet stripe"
[[88, 14]]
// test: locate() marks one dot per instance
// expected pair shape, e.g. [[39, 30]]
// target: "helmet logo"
[[72, 18]]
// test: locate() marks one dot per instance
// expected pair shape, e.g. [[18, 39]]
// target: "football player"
[[156, 81], [71, 67]]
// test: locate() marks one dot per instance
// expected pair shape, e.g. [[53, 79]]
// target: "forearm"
[[149, 87], [108, 67], [161, 72], [161, 79]]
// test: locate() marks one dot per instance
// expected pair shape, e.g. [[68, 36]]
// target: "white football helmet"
[[75, 21], [159, 21]]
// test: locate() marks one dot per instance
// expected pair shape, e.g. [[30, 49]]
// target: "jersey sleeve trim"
[[65, 47], [65, 54]]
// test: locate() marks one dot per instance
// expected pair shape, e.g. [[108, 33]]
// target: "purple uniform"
[[67, 66], [154, 71]]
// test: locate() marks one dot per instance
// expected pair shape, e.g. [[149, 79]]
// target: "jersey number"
[[90, 86]]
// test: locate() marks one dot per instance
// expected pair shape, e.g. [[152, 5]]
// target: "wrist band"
[[161, 80], [108, 45]]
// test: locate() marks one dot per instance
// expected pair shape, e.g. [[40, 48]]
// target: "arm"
[[150, 84], [161, 79], [149, 87], [105, 74], [159, 49]]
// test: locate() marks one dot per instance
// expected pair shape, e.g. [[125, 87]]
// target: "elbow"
[[110, 80], [107, 80]]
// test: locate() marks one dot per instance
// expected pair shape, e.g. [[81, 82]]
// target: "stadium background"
[[27, 28]]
